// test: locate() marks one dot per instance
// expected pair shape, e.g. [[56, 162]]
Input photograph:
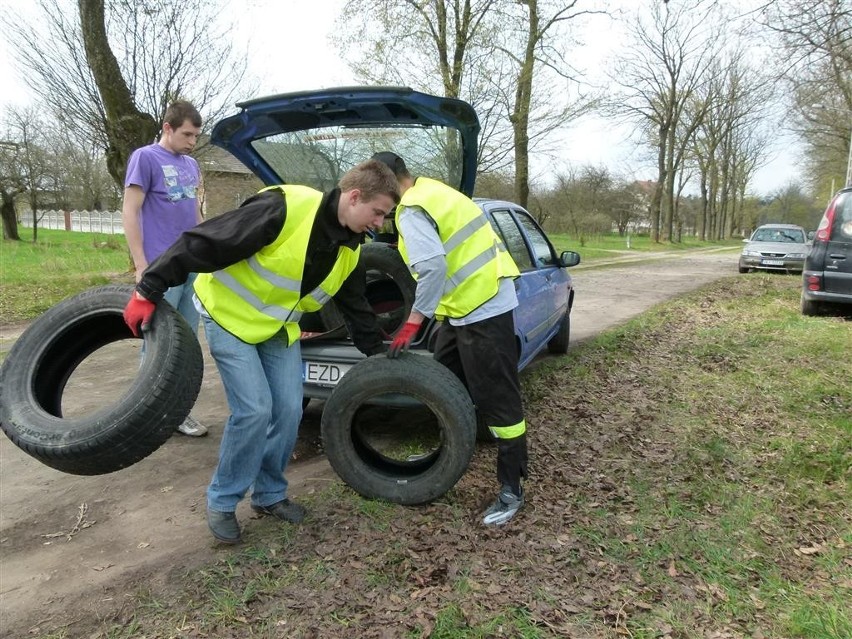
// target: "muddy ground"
[[71, 546]]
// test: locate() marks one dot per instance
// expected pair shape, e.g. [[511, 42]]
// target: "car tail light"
[[823, 233], [814, 282]]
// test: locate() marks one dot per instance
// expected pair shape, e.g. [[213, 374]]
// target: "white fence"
[[91, 221]]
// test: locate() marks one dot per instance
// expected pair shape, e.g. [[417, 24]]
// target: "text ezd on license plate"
[[323, 373]]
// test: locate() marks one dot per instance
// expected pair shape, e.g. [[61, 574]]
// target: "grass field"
[[34, 277], [690, 479]]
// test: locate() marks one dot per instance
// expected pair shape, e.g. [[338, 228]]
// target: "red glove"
[[138, 311], [403, 339]]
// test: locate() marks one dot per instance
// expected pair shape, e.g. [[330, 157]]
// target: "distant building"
[[226, 181]]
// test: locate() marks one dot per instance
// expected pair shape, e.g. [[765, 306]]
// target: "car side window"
[[511, 235], [843, 216], [542, 251]]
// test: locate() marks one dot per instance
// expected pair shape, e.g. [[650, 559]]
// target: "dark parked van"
[[828, 266]]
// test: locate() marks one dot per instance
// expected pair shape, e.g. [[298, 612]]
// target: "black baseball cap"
[[392, 161]]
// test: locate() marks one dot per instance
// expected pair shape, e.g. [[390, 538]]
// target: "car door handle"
[[837, 256]]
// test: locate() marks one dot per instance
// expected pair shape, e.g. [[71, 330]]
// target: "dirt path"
[[71, 545]]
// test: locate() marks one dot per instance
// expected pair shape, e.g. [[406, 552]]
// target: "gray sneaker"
[[285, 510], [503, 508], [192, 427], [224, 526]]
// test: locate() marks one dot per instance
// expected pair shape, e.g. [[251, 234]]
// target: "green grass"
[[35, 276], [594, 247], [691, 478]]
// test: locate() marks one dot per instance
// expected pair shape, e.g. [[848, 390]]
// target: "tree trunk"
[[10, 220], [127, 127], [520, 117], [35, 222]]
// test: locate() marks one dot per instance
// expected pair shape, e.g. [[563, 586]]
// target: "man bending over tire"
[[284, 252], [464, 277]]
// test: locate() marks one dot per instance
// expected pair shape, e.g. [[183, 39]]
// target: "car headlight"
[[796, 256], [748, 253]]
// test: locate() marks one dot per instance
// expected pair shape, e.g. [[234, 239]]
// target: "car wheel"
[[389, 290], [743, 269], [38, 368], [390, 286], [558, 344], [402, 429], [809, 307]]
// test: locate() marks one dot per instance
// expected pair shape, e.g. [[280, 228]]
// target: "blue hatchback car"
[[313, 137]]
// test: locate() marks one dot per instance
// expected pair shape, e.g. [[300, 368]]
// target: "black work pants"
[[483, 355]]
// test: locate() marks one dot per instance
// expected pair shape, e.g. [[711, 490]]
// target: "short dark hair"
[[179, 112], [393, 162]]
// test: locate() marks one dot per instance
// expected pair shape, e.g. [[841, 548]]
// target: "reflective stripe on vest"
[[256, 297], [509, 432], [476, 257]]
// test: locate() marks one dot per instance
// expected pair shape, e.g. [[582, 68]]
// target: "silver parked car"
[[775, 247]]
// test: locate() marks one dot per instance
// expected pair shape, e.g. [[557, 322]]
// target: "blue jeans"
[[181, 298], [263, 386]]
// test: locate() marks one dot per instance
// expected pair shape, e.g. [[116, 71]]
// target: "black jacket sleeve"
[[360, 318], [216, 243]]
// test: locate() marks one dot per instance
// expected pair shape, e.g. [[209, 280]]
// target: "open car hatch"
[[314, 137]]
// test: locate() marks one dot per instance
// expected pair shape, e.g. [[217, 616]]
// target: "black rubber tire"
[[39, 365], [390, 286], [743, 269], [389, 290], [373, 476], [558, 344]]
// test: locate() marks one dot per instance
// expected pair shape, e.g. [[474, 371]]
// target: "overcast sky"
[[284, 59]]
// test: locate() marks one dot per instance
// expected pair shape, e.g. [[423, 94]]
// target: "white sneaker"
[[192, 428], [504, 507]]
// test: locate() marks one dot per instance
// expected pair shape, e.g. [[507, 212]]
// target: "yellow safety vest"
[[476, 257], [255, 298]]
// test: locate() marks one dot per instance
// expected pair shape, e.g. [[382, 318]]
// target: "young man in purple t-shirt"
[[161, 202]]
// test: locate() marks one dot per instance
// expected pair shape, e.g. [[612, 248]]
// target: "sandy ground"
[[71, 545]]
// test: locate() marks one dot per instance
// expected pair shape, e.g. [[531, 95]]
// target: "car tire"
[[375, 476], [558, 344], [743, 269], [390, 286], [389, 290], [810, 307], [39, 365]]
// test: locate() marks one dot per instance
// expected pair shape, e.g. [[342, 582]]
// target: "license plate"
[[772, 262], [323, 373]]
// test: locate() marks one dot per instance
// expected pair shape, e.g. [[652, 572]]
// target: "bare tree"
[[667, 59], [434, 47], [107, 70], [730, 143], [534, 49], [485, 51], [817, 65], [34, 160]]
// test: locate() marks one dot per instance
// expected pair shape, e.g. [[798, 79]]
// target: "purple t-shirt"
[[170, 183]]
